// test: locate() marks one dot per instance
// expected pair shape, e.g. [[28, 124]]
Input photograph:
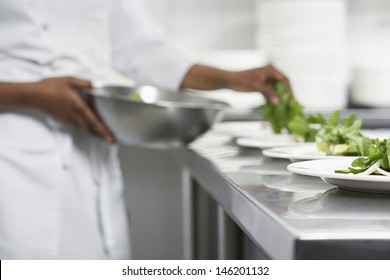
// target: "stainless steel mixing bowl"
[[149, 117]]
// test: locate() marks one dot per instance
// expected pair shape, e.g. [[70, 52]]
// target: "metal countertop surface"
[[289, 216]]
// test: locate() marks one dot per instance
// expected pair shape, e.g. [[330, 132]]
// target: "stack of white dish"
[[306, 39], [371, 86]]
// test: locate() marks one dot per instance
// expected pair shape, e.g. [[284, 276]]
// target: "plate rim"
[[292, 167], [271, 152], [240, 139]]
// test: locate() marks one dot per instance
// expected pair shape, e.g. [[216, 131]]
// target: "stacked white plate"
[[371, 86], [306, 39]]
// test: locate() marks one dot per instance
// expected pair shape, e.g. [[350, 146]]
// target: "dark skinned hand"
[[261, 79], [60, 97]]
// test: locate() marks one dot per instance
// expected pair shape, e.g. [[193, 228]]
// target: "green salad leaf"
[[331, 136], [376, 161], [305, 129], [280, 115], [288, 117], [342, 139], [134, 96]]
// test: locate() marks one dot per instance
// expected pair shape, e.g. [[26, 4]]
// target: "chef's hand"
[[60, 97], [261, 79]]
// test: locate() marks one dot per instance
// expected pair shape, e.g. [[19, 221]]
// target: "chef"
[[61, 192]]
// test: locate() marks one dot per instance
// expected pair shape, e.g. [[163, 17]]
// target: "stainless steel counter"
[[286, 216]]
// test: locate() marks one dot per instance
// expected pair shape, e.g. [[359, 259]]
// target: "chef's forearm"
[[207, 78], [17, 95]]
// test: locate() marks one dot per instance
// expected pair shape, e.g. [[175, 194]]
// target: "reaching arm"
[[259, 79]]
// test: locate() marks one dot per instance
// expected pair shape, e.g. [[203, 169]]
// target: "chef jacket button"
[[45, 27]]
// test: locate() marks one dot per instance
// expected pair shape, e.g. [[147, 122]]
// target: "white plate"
[[325, 169], [243, 129], [309, 151], [298, 152], [266, 141]]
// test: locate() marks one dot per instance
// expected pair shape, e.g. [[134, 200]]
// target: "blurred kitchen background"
[[335, 52]]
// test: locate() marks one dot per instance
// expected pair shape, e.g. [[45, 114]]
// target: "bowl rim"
[[212, 104]]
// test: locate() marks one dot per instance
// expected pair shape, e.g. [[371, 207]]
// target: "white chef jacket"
[[61, 191]]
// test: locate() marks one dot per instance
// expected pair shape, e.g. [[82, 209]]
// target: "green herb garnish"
[[336, 139], [134, 96], [376, 162], [332, 137], [288, 117], [281, 114]]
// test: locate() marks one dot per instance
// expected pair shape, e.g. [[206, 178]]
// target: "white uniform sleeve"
[[140, 50]]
